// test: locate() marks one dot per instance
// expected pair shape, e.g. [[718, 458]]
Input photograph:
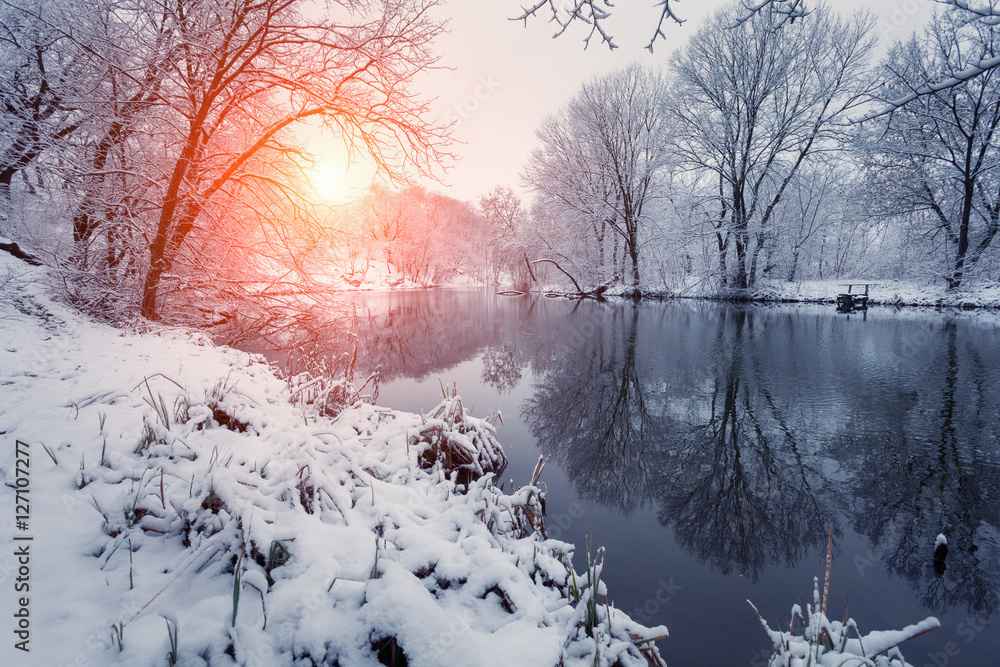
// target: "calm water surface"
[[709, 446]]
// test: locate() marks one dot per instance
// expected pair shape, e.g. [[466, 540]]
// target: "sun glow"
[[334, 176], [329, 177]]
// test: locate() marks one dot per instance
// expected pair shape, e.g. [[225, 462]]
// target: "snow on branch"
[[590, 12], [956, 79], [989, 14], [782, 10], [595, 12], [659, 26]]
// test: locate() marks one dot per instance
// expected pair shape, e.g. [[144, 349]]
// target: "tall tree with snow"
[[246, 72], [752, 104], [191, 109], [41, 75], [503, 246], [600, 158], [939, 154]]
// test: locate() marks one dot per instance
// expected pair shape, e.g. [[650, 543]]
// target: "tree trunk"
[[723, 246], [633, 252], [752, 273], [599, 231], [741, 281], [176, 221], [6, 176], [148, 307], [795, 265], [963, 239]]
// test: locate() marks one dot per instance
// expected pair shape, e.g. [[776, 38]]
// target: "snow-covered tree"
[[407, 234], [504, 245], [984, 12], [190, 108], [752, 105], [247, 72], [940, 153], [595, 15], [600, 159], [40, 81]]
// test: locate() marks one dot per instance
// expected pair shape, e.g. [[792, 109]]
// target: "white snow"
[[814, 640], [982, 294], [184, 486]]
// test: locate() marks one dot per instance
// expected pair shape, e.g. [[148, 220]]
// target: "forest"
[[149, 156], [159, 166]]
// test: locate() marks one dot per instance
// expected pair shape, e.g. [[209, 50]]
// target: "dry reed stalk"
[[826, 576]]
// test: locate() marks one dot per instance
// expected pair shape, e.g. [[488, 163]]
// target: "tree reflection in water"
[[501, 367], [589, 413], [935, 469], [748, 430], [714, 453], [738, 491]]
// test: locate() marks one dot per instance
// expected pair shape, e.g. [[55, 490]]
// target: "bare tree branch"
[[596, 12], [957, 79], [987, 12]]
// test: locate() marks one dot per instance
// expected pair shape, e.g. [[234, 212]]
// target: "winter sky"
[[504, 77]]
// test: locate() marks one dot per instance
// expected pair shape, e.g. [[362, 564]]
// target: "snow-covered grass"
[[186, 509], [813, 640]]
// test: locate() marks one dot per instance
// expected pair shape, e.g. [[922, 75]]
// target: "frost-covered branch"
[[957, 79], [781, 10], [984, 13], [667, 11], [988, 13], [590, 12], [595, 12]]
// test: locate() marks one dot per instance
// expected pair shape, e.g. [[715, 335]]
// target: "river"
[[710, 446]]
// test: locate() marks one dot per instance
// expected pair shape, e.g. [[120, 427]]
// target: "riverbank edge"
[[988, 300], [105, 580]]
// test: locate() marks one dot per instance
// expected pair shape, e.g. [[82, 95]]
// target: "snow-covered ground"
[[888, 292], [881, 292], [166, 501]]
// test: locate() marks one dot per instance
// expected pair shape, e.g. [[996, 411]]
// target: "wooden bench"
[[846, 301]]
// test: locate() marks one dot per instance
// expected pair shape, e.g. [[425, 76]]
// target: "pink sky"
[[505, 77]]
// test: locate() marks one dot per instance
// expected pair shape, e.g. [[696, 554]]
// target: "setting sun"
[[332, 174], [326, 178], [329, 175]]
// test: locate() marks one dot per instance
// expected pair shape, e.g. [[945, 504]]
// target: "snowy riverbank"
[[881, 292], [896, 293], [182, 506]]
